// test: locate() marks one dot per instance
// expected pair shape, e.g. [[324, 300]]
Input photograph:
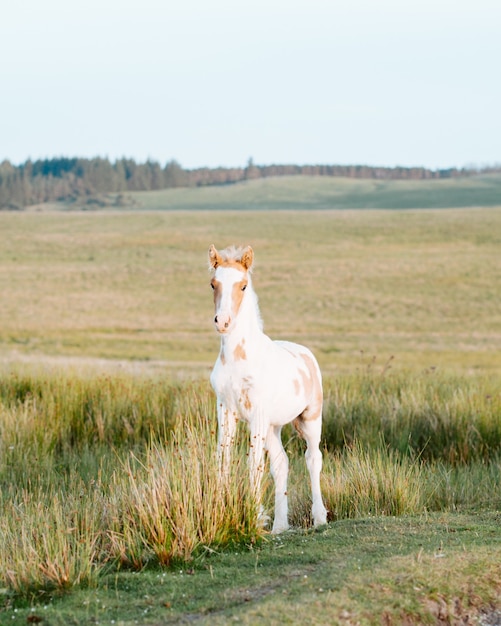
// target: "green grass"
[[424, 415], [324, 193], [370, 571], [115, 480], [107, 467], [106, 486]]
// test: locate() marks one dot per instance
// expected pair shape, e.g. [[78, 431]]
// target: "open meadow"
[[110, 507], [421, 286]]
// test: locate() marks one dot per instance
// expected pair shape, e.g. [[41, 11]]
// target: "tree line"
[[74, 179]]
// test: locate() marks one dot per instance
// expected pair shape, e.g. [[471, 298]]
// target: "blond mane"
[[232, 255]]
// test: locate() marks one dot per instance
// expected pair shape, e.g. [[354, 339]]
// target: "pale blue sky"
[[282, 81]]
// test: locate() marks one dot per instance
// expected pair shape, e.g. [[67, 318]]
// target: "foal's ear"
[[247, 258], [214, 258]]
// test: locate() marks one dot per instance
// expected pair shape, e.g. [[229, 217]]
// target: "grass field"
[[110, 510], [321, 193], [110, 507], [316, 193], [421, 286], [428, 570]]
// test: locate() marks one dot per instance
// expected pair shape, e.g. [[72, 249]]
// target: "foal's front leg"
[[226, 436]]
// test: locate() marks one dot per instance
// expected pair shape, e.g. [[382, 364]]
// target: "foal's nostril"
[[215, 320], [226, 324]]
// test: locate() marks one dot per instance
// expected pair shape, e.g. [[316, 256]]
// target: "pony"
[[265, 383]]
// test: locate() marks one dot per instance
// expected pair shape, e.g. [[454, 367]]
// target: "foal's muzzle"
[[222, 323]]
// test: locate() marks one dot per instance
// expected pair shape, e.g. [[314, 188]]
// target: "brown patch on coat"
[[239, 352], [307, 382], [218, 292], [313, 389], [244, 399], [237, 295], [231, 263], [296, 423]]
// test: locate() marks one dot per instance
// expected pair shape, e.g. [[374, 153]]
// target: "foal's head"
[[231, 277]]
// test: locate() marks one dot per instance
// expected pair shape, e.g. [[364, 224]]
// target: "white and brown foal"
[[266, 383]]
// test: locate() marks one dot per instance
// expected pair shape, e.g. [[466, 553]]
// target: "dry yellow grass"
[[423, 286]]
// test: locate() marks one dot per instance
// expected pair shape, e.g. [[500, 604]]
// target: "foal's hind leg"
[[279, 466], [311, 431]]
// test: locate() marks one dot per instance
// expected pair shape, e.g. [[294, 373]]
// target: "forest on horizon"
[[71, 179]]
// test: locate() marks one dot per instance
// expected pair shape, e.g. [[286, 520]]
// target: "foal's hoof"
[[279, 528], [319, 517], [263, 520]]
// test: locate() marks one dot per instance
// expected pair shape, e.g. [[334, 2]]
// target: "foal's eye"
[[212, 285], [244, 287]]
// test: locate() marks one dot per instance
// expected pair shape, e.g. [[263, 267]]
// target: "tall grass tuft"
[[428, 415], [77, 411], [105, 472], [69, 511], [374, 481], [51, 541], [476, 486], [359, 482], [174, 501]]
